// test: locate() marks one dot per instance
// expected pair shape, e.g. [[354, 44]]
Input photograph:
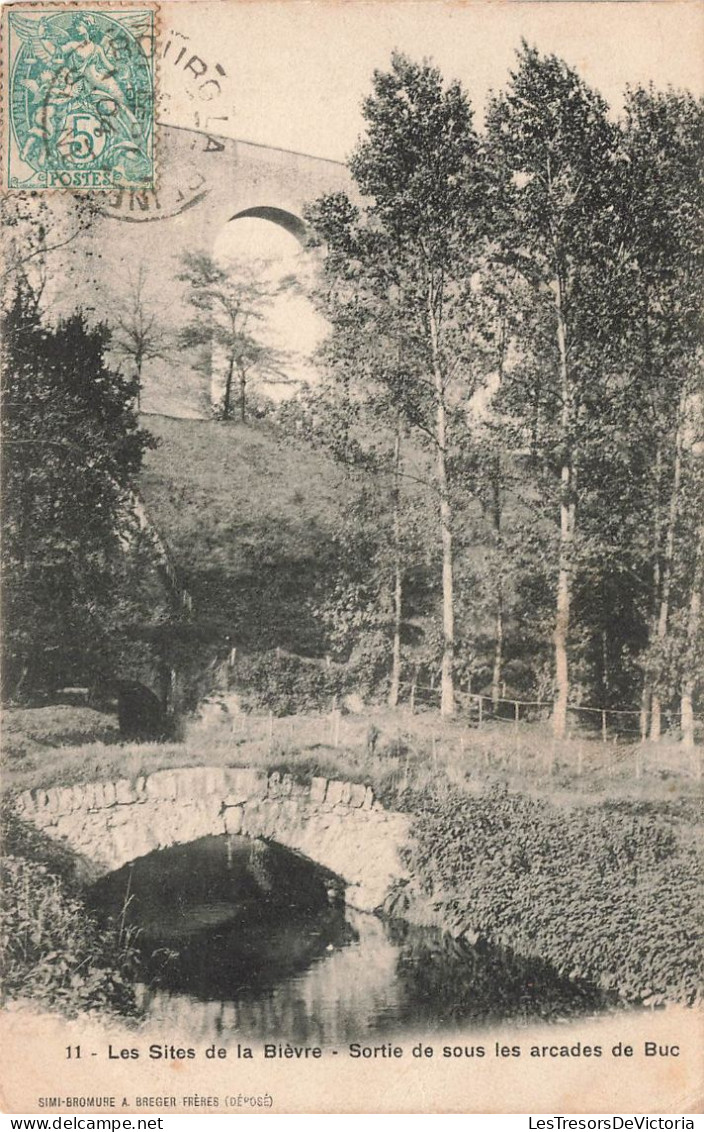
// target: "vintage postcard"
[[352, 557]]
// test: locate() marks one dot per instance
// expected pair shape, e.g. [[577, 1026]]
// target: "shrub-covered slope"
[[283, 547], [250, 518], [608, 894]]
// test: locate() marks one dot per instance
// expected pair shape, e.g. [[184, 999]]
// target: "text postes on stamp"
[[79, 97]]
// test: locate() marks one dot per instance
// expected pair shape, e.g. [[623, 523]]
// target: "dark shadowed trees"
[[71, 449]]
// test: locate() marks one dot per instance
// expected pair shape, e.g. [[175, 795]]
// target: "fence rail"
[[482, 707], [427, 741], [485, 707]]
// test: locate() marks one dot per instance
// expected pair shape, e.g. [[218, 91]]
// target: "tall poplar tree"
[[408, 254], [553, 151], [662, 219]]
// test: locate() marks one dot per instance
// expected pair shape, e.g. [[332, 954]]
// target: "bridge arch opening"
[[222, 912], [265, 243]]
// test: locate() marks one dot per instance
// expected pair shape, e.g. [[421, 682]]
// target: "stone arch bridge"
[[338, 825]]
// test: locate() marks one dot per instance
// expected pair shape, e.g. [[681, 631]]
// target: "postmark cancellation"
[[79, 96]]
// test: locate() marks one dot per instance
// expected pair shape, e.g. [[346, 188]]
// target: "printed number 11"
[[73, 1051]]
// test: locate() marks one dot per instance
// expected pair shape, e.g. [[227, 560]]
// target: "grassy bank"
[[393, 751], [563, 853]]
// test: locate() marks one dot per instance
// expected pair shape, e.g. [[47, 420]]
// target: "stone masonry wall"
[[335, 824]]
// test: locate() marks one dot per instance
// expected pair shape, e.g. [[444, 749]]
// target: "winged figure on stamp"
[[83, 85]]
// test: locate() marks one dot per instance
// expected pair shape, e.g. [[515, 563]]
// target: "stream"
[[241, 937]]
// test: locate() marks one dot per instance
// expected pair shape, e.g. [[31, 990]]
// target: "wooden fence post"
[[413, 697], [603, 726], [481, 707]]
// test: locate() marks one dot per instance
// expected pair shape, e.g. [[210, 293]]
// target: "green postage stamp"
[[79, 96]]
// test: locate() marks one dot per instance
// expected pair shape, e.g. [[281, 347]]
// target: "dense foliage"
[[71, 448], [608, 894], [527, 299], [52, 949]]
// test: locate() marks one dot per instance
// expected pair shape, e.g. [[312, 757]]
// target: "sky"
[[290, 324], [298, 70]]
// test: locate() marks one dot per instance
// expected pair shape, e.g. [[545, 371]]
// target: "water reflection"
[[241, 939]]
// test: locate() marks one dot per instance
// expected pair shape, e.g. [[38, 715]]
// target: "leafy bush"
[[54, 952], [608, 894], [286, 684], [32, 730], [51, 949]]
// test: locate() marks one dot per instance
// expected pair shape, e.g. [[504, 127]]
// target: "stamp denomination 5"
[[79, 97]]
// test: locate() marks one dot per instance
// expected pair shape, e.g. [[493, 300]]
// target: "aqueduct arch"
[[204, 182]]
